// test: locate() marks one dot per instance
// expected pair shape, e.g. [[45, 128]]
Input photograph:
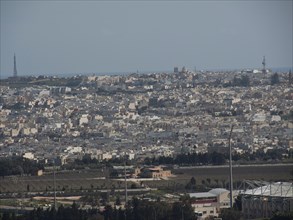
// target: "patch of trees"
[[275, 79], [73, 82], [244, 81], [70, 82], [18, 166], [62, 213], [16, 106], [142, 209], [185, 159], [230, 214], [191, 185], [135, 210], [216, 158], [93, 162], [80, 164], [156, 102], [189, 159], [288, 116], [282, 216], [86, 160]]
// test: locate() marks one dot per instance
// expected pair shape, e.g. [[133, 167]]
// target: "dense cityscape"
[[146, 110], [131, 138]]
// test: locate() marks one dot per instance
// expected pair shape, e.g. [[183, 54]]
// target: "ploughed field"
[[276, 172], [85, 181]]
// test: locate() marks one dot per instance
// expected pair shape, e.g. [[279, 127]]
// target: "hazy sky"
[[124, 36]]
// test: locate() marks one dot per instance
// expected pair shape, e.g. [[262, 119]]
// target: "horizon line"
[[113, 73]]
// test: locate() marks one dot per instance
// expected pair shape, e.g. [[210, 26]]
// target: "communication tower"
[[264, 65], [14, 69]]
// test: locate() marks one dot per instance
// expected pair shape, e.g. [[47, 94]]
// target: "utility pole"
[[54, 177], [125, 186], [230, 166], [125, 178]]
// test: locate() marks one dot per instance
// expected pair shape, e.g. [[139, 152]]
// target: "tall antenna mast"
[[14, 68], [264, 65]]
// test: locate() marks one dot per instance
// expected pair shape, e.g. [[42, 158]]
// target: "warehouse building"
[[262, 199]]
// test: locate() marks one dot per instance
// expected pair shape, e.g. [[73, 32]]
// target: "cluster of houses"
[[146, 115]]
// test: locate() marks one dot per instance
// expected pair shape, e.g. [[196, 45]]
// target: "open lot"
[[218, 176], [94, 180], [267, 172]]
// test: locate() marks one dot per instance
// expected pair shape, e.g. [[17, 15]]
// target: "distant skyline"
[[61, 37]]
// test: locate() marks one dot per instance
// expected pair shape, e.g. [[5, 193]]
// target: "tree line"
[[136, 209], [215, 158], [18, 166], [186, 159], [21, 166]]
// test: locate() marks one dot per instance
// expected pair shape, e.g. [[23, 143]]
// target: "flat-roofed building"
[[155, 172], [210, 203]]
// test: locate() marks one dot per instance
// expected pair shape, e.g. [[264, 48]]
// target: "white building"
[[83, 119], [28, 155], [72, 150], [210, 203], [105, 156]]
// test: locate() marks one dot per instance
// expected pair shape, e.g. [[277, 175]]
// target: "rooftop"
[[210, 194], [278, 189]]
